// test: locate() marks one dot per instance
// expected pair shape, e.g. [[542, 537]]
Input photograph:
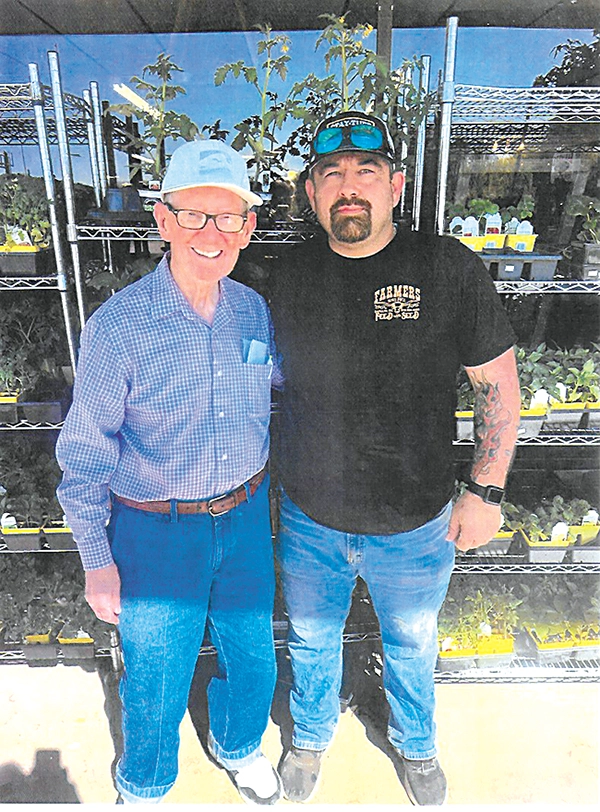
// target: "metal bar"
[[89, 121], [446, 120], [67, 173], [406, 78], [420, 150], [99, 140], [42, 132], [385, 12]]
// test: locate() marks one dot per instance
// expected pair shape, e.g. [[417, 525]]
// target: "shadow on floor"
[[47, 783]]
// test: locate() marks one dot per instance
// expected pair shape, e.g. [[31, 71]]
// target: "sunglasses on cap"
[[359, 136]]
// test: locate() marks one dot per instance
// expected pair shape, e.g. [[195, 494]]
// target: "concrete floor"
[[500, 744]]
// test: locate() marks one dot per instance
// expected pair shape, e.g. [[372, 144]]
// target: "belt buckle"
[[211, 510]]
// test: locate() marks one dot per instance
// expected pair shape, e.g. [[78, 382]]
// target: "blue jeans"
[[408, 576], [177, 571]]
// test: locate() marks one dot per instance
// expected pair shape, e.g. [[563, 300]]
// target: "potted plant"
[[584, 250], [24, 226], [517, 226], [577, 372], [496, 610], [457, 637], [546, 532], [469, 224]]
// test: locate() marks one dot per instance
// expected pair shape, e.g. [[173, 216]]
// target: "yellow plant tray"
[[494, 240], [21, 249], [474, 243], [74, 640], [588, 532], [495, 645], [459, 652], [19, 531], [520, 242], [38, 638]]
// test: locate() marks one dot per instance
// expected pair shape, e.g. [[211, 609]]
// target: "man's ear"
[[161, 213], [249, 227], [309, 186], [398, 179]]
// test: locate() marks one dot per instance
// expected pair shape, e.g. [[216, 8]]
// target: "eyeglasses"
[[360, 136], [196, 220]]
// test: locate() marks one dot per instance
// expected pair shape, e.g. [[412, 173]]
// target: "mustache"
[[354, 201]]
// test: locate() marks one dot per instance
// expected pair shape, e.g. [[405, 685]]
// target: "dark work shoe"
[[299, 773], [424, 781]]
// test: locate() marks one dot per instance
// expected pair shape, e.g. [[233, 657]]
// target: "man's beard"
[[351, 228]]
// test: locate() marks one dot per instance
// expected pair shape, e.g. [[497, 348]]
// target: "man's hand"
[[473, 522], [103, 593]]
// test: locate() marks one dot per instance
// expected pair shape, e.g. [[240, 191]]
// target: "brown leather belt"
[[215, 507]]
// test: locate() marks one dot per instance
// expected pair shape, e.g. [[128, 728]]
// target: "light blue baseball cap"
[[208, 163]]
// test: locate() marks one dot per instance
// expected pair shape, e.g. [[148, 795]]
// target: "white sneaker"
[[258, 783]]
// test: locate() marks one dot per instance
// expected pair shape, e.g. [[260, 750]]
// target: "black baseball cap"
[[351, 131]]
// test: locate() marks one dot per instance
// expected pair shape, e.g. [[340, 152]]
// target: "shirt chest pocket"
[[257, 387]]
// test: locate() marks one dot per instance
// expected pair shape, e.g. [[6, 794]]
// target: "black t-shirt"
[[371, 348]]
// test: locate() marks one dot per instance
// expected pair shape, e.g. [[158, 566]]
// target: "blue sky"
[[509, 57]]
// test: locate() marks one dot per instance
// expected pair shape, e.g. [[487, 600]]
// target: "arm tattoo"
[[491, 419]]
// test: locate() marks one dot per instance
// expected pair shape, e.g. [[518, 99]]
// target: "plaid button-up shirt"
[[165, 406]]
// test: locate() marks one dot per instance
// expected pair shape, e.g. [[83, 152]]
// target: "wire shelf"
[[29, 283]]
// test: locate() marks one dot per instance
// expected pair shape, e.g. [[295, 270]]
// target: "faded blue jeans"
[[407, 575], [177, 571]]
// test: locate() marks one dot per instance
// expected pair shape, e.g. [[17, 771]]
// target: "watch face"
[[494, 495]]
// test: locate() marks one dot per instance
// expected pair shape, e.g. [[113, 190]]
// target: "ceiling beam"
[[179, 16]]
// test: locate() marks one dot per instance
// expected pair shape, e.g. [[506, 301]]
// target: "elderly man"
[[373, 323], [164, 452]]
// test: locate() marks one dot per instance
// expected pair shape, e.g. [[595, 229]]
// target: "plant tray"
[[531, 422], [8, 409], [57, 538], [34, 412], [464, 425], [552, 652], [456, 660], [497, 546], [494, 660], [77, 649], [21, 539], [592, 414], [42, 653], [520, 242], [568, 415], [589, 650], [24, 263]]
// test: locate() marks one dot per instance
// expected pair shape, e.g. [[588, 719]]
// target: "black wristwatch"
[[489, 493]]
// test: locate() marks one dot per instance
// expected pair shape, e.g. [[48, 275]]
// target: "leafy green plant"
[[33, 347], [259, 131], [537, 370], [24, 206], [537, 524], [362, 81], [580, 65], [159, 122], [578, 370], [522, 211], [588, 209]]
